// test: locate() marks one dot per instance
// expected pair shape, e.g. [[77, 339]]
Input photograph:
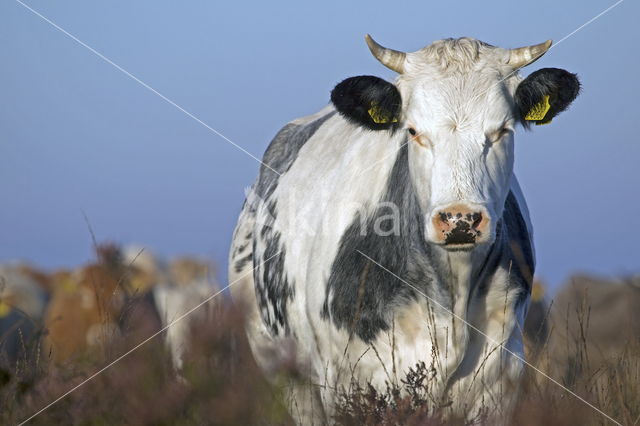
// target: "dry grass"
[[222, 385]]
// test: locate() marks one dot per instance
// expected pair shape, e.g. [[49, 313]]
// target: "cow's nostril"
[[477, 220]]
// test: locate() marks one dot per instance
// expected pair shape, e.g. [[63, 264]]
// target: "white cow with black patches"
[[395, 232]]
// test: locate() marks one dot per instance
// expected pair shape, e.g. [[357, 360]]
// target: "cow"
[[22, 303], [144, 269], [96, 305], [389, 229], [24, 288], [173, 289], [189, 284], [83, 313]]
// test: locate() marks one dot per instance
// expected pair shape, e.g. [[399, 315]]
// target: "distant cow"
[[83, 312], [379, 228], [132, 295], [22, 302], [143, 269], [189, 283], [22, 287]]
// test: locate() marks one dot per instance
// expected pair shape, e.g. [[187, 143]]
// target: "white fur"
[[172, 302]]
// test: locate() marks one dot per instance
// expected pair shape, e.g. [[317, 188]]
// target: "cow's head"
[[458, 102]]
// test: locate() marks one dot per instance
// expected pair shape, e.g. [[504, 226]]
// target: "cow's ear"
[[544, 94], [368, 101]]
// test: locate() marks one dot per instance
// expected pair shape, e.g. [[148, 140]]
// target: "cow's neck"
[[457, 274]]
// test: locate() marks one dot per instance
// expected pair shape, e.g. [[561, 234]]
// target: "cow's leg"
[[273, 355], [491, 389], [486, 382], [304, 402], [276, 358]]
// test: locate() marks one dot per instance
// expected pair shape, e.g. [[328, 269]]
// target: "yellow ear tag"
[[5, 309], [539, 110], [379, 116]]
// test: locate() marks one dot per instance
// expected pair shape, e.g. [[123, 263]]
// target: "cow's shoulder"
[[285, 147]]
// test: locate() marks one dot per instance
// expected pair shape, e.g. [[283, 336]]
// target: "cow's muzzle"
[[460, 226]]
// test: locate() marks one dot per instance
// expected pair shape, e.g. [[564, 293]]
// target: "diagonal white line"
[[145, 85], [553, 46], [252, 156], [587, 23], [499, 81], [115, 361], [494, 342]]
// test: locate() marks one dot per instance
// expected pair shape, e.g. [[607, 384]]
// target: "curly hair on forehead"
[[455, 53]]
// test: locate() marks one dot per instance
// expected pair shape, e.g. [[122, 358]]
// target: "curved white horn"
[[523, 56], [392, 59]]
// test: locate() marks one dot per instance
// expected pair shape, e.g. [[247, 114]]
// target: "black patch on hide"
[[273, 289], [361, 295], [519, 244]]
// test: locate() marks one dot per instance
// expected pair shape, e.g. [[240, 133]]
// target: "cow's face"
[[458, 101], [460, 122]]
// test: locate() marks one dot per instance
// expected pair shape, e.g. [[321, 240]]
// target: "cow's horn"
[[390, 58], [523, 56]]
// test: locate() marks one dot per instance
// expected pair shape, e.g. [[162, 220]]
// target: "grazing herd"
[[67, 315]]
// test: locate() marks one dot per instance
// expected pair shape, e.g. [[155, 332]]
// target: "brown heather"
[[221, 384]]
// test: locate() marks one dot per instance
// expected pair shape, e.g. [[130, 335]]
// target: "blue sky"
[[77, 135]]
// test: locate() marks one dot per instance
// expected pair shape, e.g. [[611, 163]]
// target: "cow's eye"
[[499, 134], [503, 132], [418, 138]]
